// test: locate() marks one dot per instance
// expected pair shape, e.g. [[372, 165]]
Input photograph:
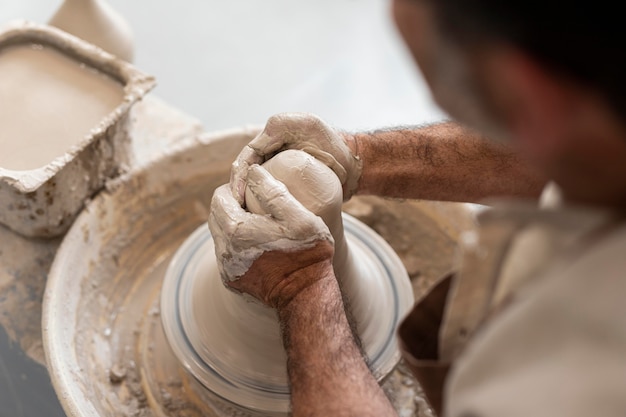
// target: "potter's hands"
[[274, 256], [305, 132]]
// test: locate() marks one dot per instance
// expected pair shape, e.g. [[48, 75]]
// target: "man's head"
[[549, 79]]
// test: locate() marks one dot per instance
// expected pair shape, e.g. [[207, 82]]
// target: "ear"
[[536, 104]]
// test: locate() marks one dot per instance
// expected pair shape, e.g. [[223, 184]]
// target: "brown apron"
[[433, 335]]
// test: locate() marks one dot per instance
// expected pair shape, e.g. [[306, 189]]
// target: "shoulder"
[[558, 349]]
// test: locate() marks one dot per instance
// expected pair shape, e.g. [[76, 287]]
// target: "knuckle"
[[234, 167], [276, 121]]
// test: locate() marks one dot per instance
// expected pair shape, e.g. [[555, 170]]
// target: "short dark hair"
[[583, 40]]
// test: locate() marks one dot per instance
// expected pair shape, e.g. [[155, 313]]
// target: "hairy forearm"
[[328, 374], [442, 162]]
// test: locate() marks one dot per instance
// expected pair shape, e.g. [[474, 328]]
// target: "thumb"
[[273, 197]]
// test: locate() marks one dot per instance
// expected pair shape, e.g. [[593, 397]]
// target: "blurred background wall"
[[236, 62]]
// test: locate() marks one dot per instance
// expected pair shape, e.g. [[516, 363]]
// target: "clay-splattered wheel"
[[104, 342]]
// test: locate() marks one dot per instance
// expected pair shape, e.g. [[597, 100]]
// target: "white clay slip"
[[50, 103]]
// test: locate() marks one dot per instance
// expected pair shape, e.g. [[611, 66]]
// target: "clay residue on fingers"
[[276, 221]]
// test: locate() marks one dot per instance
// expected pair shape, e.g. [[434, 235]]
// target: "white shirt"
[[557, 345]]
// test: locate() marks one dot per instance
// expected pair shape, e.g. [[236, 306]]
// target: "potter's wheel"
[[105, 347]]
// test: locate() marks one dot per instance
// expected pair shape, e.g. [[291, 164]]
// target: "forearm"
[[442, 162], [328, 374]]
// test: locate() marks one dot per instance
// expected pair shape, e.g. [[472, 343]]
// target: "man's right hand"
[[272, 256], [307, 133]]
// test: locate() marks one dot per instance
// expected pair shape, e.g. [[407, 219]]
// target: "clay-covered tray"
[[43, 201], [103, 339]]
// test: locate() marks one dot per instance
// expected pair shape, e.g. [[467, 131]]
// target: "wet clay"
[[317, 187], [49, 104]]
